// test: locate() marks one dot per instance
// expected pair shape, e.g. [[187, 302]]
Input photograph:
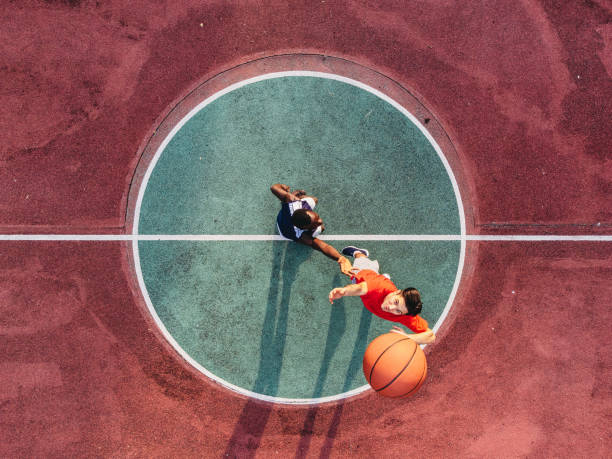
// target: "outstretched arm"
[[349, 290], [328, 250], [284, 193], [281, 191], [426, 337]]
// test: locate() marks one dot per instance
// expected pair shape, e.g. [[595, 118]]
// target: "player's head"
[[306, 219], [403, 302], [412, 300]]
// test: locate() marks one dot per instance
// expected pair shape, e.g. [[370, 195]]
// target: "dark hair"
[[412, 297], [301, 219]]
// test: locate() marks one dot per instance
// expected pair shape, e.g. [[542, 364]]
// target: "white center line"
[[329, 237]]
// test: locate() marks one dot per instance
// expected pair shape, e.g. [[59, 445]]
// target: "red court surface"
[[522, 366]]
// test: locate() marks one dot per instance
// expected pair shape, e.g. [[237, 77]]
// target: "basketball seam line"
[[378, 358], [405, 366], [415, 387]]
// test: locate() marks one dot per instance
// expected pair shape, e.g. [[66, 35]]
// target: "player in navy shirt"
[[298, 222]]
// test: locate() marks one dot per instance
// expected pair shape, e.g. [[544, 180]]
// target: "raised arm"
[[319, 245], [426, 337], [328, 250], [348, 290], [282, 192]]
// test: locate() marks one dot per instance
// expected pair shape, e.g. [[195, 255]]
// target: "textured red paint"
[[522, 362], [303, 62], [83, 84]]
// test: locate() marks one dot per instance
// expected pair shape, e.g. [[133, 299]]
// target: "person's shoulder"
[[284, 225], [375, 280], [365, 274], [415, 323], [310, 202], [285, 211]]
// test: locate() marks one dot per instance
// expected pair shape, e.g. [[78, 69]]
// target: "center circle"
[[251, 311]]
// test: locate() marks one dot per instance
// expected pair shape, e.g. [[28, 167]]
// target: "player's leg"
[[361, 258], [355, 252]]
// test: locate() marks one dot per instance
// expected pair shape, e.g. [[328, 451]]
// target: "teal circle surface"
[[251, 311]]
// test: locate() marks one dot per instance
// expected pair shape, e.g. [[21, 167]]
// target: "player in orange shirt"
[[381, 297]]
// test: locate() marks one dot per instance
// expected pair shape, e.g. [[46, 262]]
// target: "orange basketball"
[[394, 365]]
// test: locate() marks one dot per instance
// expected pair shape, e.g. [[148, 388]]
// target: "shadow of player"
[[248, 431], [337, 326]]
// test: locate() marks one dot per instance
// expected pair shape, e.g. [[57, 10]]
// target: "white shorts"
[[365, 263]]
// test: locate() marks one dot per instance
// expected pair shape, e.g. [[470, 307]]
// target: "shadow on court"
[[254, 417], [337, 327], [249, 429]]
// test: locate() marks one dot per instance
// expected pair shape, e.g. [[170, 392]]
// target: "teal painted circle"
[[255, 314]]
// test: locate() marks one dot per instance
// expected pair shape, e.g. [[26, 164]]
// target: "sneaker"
[[350, 251]]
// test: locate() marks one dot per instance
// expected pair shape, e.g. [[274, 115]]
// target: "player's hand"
[[345, 266], [397, 329], [336, 294]]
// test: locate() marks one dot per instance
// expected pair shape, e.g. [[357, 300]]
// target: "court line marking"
[[136, 237], [184, 120], [227, 90], [330, 237]]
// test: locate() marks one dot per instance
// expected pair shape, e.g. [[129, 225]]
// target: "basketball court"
[[150, 307]]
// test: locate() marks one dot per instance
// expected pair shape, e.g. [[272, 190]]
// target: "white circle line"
[[221, 381], [233, 87]]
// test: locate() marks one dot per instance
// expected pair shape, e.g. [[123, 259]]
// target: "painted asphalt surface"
[[521, 366], [255, 314]]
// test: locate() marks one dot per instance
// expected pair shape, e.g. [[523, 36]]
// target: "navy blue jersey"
[[283, 220]]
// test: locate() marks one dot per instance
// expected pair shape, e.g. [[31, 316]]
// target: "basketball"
[[394, 365]]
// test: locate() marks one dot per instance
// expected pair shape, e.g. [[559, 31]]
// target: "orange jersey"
[[378, 288]]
